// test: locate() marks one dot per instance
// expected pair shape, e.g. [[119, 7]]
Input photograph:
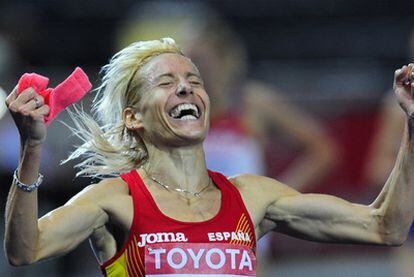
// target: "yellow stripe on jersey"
[[129, 264], [117, 268]]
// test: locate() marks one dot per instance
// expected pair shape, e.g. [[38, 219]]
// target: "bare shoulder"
[[261, 187], [101, 192], [110, 196], [259, 192]]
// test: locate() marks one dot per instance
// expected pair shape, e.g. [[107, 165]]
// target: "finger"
[[11, 97], [401, 73], [25, 96], [22, 98], [32, 105], [40, 113], [404, 76], [38, 101], [412, 89], [409, 76]]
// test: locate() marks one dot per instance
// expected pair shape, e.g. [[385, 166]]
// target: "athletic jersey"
[[159, 245]]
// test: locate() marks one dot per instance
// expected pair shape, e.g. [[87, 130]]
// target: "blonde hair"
[[110, 148]]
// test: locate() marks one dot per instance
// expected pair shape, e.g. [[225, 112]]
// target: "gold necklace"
[[180, 190]]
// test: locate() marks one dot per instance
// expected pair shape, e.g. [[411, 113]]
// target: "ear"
[[132, 119]]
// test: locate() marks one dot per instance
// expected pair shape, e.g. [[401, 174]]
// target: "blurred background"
[[300, 92]]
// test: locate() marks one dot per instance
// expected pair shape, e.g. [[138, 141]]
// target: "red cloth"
[[66, 93]]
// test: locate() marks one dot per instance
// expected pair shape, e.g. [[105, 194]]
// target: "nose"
[[184, 88]]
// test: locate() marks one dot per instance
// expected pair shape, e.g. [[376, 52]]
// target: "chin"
[[188, 132]]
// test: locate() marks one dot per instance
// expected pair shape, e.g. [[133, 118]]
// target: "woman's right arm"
[[28, 239]]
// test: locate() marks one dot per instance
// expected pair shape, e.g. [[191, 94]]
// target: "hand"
[[28, 111], [404, 88]]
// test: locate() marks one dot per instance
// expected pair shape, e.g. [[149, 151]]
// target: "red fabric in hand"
[[66, 93]]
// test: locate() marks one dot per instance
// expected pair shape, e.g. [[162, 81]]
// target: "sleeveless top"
[[160, 245]]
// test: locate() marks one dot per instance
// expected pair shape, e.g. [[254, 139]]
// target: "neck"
[[179, 167]]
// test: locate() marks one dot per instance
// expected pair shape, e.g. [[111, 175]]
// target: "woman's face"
[[175, 107]]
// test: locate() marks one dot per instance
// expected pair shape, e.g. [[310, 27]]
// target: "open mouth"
[[185, 111]]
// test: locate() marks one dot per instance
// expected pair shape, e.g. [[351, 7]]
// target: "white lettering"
[[152, 238], [157, 253], [171, 261], [161, 237], [180, 237], [241, 236], [233, 253], [196, 258], [213, 258], [245, 261], [247, 237], [226, 236], [166, 237], [143, 240], [221, 262]]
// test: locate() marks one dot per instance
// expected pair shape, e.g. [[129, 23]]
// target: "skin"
[[176, 154], [385, 143]]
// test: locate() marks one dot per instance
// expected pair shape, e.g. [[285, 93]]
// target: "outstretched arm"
[[330, 219], [384, 146], [28, 239]]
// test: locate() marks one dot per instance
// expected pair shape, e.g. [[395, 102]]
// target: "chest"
[[165, 204], [181, 208]]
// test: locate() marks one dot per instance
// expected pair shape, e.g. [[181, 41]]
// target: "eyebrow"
[[164, 75], [191, 74]]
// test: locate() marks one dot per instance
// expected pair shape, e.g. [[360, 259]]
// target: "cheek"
[[205, 98], [152, 111], [150, 100]]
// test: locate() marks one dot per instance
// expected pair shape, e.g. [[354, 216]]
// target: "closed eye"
[[195, 81], [165, 84]]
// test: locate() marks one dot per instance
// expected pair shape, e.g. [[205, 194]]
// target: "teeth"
[[188, 117], [186, 106]]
